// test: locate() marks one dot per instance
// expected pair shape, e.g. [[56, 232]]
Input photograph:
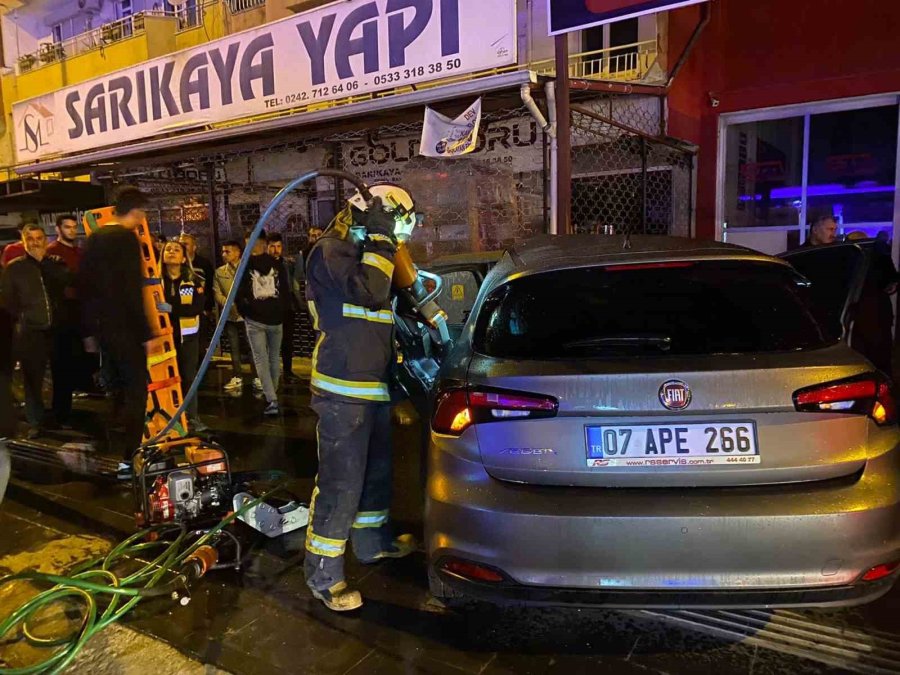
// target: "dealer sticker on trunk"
[[695, 444]]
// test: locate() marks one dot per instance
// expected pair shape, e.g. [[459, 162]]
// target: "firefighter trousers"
[[352, 496]]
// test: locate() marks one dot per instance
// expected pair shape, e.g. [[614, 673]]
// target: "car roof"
[[550, 252], [547, 253]]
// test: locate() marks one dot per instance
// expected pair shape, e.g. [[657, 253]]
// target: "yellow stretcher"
[[164, 393]]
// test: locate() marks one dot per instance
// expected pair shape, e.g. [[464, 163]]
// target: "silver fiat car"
[[663, 422]]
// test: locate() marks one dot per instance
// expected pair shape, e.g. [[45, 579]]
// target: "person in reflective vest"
[[348, 288]]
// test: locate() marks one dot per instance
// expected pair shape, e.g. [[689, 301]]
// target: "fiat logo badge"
[[675, 395]]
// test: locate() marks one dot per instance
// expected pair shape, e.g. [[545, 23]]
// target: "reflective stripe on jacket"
[[348, 289], [186, 306], [190, 324]]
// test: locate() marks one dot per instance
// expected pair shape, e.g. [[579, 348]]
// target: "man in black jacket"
[[110, 286], [32, 290], [275, 249], [260, 300]]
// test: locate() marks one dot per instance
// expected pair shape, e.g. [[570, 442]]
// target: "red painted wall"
[[763, 53]]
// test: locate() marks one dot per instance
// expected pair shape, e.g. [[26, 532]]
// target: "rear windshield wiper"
[[661, 342]]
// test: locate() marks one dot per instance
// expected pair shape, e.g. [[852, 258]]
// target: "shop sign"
[[855, 165], [764, 172], [566, 16], [341, 50], [185, 174], [515, 145]]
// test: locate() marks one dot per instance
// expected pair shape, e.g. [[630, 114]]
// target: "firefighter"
[[348, 288]]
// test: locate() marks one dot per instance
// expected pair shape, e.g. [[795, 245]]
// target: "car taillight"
[[458, 409], [472, 571], [864, 395], [880, 571]]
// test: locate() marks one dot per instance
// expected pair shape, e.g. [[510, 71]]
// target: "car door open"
[[836, 274]]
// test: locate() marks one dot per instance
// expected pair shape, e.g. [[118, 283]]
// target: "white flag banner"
[[445, 137]]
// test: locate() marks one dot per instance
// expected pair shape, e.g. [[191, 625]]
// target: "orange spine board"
[[162, 365]]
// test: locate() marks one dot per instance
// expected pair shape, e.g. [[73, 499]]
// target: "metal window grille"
[[243, 5], [624, 178]]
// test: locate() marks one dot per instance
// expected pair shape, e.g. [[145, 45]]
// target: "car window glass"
[[718, 307], [458, 295]]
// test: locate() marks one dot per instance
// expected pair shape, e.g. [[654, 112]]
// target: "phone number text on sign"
[[397, 77]]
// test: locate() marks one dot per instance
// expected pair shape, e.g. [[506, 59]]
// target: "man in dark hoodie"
[[260, 300], [110, 286]]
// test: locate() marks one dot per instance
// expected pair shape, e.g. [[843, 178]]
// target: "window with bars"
[[243, 5]]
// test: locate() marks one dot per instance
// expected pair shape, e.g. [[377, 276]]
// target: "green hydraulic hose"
[[136, 586], [142, 583]]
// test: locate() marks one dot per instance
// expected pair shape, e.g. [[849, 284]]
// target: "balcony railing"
[[631, 63], [103, 36], [236, 6]]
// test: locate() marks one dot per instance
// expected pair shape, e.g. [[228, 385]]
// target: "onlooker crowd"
[[78, 307]]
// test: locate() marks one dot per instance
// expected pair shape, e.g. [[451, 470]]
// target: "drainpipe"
[[531, 104], [548, 128], [688, 48]]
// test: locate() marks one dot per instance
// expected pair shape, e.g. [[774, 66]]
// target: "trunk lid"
[[792, 446]]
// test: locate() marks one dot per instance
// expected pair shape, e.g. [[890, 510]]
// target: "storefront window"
[[779, 174], [852, 167], [764, 173]]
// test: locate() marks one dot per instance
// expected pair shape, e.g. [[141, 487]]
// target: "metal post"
[[213, 211], [337, 162], [804, 186], [692, 230], [895, 239], [564, 137], [643, 185], [550, 89], [545, 173]]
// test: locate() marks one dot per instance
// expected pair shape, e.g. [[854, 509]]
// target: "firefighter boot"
[[371, 545], [325, 578]]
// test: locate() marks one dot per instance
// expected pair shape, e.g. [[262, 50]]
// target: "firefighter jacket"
[[348, 288]]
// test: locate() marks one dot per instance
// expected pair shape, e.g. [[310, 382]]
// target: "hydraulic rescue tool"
[[185, 495]]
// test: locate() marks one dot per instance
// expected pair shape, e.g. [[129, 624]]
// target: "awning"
[[49, 196], [431, 95]]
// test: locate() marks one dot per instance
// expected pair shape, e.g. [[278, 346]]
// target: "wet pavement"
[[263, 620]]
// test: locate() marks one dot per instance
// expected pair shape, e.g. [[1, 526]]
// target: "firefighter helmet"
[[398, 201]]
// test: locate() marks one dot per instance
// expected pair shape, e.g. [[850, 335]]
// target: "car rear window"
[[716, 307]]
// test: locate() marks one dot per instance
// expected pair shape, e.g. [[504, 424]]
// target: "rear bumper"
[[543, 596], [768, 546]]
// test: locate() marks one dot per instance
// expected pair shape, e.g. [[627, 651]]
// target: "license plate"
[[696, 444]]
